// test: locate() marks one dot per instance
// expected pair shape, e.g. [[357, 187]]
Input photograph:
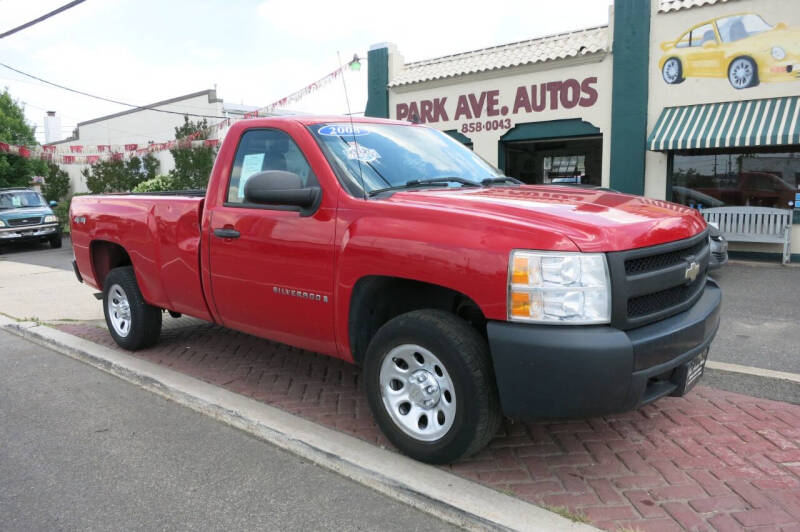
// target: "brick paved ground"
[[710, 461]]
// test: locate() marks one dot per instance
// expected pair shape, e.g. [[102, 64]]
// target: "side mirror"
[[276, 187], [53, 203], [781, 26], [710, 44]]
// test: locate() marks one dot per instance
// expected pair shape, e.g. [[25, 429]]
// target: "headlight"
[[2, 223], [558, 288], [50, 219], [778, 53]]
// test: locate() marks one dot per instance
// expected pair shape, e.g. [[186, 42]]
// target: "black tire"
[[743, 73], [670, 76], [144, 322], [465, 355], [55, 241]]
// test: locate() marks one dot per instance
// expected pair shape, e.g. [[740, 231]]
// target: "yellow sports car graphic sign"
[[742, 47]]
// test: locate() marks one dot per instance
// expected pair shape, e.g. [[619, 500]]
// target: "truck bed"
[[161, 234]]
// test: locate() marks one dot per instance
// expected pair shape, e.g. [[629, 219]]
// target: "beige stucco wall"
[[669, 26], [507, 81]]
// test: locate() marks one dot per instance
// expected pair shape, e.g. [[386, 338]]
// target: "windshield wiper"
[[502, 179], [434, 181]]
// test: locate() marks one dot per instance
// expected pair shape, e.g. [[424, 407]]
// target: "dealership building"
[[693, 101]]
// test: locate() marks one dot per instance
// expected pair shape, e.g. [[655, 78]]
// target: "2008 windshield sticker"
[[362, 153], [342, 131]]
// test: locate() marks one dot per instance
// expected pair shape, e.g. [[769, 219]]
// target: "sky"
[[254, 52]]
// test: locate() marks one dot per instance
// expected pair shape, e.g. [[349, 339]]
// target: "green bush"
[[62, 211], [120, 176], [56, 183], [157, 184]]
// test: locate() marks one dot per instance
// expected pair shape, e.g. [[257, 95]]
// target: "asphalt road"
[[40, 254], [81, 449], [759, 326]]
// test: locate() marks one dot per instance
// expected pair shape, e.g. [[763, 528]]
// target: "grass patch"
[[563, 511]]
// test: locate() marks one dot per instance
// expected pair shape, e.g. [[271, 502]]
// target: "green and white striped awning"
[[767, 122]]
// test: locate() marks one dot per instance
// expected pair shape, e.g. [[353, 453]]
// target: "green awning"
[[748, 123]]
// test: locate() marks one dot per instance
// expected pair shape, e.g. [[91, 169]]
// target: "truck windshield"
[[18, 199], [388, 156]]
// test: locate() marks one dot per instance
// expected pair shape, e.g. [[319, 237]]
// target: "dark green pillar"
[[631, 56], [377, 81]]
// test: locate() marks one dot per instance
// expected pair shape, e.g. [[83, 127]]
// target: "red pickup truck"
[[464, 294]]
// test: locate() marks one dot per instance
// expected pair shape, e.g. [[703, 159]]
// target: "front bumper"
[[32, 232], [551, 371]]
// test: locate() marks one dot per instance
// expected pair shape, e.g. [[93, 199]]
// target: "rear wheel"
[[431, 387], [131, 321], [672, 71]]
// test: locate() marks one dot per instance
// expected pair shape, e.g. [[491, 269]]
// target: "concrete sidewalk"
[[46, 294]]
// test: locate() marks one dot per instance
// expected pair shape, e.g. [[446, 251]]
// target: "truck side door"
[[271, 267]]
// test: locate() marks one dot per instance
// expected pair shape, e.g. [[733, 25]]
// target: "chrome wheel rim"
[[741, 73], [417, 392], [119, 310], [671, 69]]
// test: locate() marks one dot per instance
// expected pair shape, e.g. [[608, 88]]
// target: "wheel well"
[[105, 257], [377, 299]]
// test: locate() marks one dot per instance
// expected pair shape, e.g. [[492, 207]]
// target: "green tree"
[[15, 171], [56, 183], [192, 165], [120, 176]]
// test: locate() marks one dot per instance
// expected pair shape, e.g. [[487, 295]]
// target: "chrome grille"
[[19, 222]]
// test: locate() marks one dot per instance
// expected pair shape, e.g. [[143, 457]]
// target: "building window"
[[764, 178], [562, 161]]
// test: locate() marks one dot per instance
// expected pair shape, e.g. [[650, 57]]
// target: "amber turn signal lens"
[[520, 304], [519, 274]]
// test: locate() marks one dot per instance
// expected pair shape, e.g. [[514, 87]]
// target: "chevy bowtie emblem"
[[691, 271]]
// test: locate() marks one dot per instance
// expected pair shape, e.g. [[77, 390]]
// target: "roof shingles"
[[561, 46], [665, 6]]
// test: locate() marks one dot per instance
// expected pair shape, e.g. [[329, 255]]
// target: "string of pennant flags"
[[90, 154]]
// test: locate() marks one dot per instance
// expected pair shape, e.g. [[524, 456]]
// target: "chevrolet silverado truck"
[[26, 216], [463, 294]]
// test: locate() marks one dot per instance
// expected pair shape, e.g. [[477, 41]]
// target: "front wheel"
[[55, 241], [131, 321], [743, 73], [431, 387]]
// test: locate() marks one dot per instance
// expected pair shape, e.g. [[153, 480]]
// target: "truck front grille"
[[31, 220], [651, 303], [662, 260], [649, 284]]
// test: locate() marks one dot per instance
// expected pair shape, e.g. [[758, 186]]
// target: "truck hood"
[[24, 212], [595, 220]]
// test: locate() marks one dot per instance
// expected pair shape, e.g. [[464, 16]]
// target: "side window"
[[266, 149], [703, 34]]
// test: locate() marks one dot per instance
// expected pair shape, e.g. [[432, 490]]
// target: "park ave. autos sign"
[[484, 111]]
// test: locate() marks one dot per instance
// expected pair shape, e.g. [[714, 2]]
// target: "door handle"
[[226, 232]]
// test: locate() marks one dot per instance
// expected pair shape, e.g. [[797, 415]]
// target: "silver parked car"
[[719, 248]]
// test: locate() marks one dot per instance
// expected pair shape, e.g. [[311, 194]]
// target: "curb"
[[426, 488]]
